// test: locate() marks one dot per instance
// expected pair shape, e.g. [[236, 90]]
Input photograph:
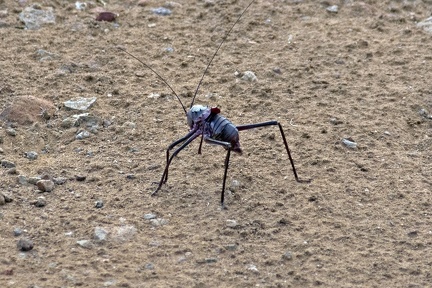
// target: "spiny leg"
[[224, 179], [274, 123], [228, 147], [164, 175], [171, 146]]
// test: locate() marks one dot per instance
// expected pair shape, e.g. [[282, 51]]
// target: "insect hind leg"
[[274, 123]]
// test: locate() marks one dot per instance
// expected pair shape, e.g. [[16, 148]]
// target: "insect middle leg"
[[274, 123]]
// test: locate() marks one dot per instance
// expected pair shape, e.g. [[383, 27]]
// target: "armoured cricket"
[[213, 128]]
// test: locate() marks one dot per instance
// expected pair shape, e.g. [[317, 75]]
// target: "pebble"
[[149, 216], [40, 202], [85, 244], [349, 143], [32, 155], [45, 185], [162, 11], [82, 135], [11, 131], [333, 9], [33, 180], [335, 121], [25, 244], [235, 184], [231, 247], [17, 232], [2, 200], [7, 164], [22, 180], [124, 233], [426, 25], [7, 199], [249, 76], [231, 223], [80, 178], [59, 180], [100, 234], [80, 103], [99, 204], [34, 18], [158, 222], [287, 256], [1, 149], [252, 268]]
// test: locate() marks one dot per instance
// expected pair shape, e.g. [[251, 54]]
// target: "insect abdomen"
[[223, 130]]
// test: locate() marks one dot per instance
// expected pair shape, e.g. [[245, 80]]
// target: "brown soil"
[[362, 73]]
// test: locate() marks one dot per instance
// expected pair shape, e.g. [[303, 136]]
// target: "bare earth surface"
[[363, 74]]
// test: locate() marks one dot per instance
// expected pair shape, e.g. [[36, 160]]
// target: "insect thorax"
[[197, 114]]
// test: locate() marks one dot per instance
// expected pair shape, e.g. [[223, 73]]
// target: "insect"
[[213, 128]]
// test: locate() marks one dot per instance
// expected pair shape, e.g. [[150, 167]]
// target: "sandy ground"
[[362, 74]]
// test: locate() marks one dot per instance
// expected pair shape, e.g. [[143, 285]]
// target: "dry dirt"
[[363, 73]]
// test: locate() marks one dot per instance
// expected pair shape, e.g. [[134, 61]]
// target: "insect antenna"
[[160, 77], [217, 50]]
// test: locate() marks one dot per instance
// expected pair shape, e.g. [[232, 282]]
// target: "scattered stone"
[[12, 171], [22, 179], [1, 149], [33, 180], [106, 16], [40, 202], [335, 121], [348, 142], [99, 204], [80, 178], [235, 184], [82, 135], [45, 185], [287, 256], [333, 9], [124, 233], [158, 222], [247, 76], [7, 164], [80, 5], [277, 70], [426, 25], [231, 223], [85, 244], [206, 261], [59, 180], [32, 155], [17, 232], [131, 176], [231, 247], [412, 234], [44, 55], [11, 131], [129, 125], [252, 268], [7, 198], [149, 266], [25, 244], [2, 200], [80, 103], [34, 18], [149, 216], [100, 234], [162, 11]]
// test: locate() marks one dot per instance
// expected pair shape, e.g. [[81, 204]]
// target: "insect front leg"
[[169, 159], [274, 123], [171, 146]]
